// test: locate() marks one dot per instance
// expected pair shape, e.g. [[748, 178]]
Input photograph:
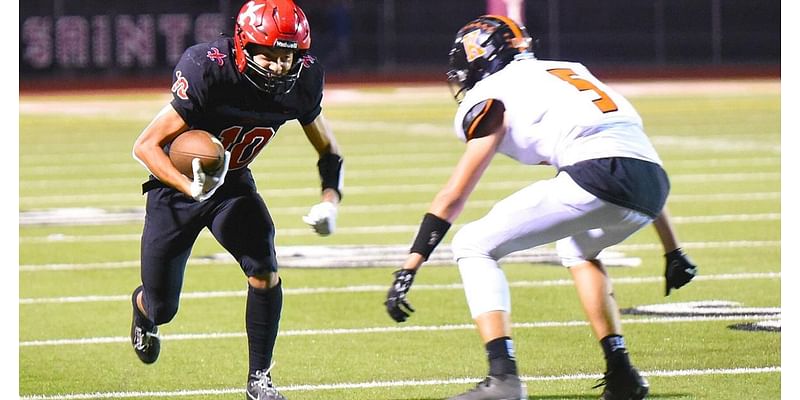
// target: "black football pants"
[[237, 217]]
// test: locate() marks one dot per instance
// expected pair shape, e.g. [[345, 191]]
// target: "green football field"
[[81, 213]]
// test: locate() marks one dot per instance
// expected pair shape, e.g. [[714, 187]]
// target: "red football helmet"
[[271, 23]]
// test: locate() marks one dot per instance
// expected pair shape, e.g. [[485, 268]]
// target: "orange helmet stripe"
[[513, 25]]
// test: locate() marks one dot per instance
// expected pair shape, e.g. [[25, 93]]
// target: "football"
[[196, 144]]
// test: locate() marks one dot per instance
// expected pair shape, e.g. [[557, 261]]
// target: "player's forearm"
[[413, 261], [666, 233], [447, 205], [445, 208], [158, 163], [321, 136]]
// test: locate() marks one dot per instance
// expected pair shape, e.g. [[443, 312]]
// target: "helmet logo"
[[472, 48], [287, 44], [248, 16]]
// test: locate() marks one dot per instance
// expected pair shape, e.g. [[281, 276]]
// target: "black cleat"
[[624, 385], [260, 387], [145, 341]]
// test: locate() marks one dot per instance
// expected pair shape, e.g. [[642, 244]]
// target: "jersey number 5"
[[604, 103]]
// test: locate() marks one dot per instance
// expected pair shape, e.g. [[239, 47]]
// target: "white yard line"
[[99, 216], [738, 244], [376, 160], [393, 384], [382, 288], [368, 230], [344, 94], [387, 329], [40, 200], [39, 166], [287, 177]]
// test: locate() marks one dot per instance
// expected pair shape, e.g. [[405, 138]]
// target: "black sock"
[[500, 352], [615, 352], [262, 315]]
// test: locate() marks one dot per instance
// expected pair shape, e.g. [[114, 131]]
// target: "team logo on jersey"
[[216, 56], [472, 48], [248, 16], [180, 86], [307, 60]]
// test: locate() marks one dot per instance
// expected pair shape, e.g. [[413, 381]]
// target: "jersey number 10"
[[604, 103], [244, 147]]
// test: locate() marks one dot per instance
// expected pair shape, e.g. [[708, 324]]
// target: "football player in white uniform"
[[609, 184]]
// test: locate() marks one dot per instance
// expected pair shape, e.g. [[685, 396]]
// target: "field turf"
[[80, 205]]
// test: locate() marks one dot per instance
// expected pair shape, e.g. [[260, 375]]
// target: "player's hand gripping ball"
[[196, 144]]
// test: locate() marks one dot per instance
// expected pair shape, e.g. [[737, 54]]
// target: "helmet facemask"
[[268, 81], [460, 77]]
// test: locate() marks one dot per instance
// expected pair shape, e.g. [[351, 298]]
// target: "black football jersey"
[[211, 94]]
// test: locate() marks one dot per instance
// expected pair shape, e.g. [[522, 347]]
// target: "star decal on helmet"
[[248, 16]]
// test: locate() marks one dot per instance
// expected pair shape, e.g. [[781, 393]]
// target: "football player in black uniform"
[[241, 89]]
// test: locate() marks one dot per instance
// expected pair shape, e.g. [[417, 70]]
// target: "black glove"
[[679, 270], [396, 297]]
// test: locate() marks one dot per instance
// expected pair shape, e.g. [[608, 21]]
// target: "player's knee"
[[264, 281], [467, 243], [485, 285]]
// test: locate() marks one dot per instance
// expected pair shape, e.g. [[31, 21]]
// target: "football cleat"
[[623, 385], [260, 387], [146, 342], [500, 387]]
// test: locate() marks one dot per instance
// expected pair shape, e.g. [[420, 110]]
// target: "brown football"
[[196, 144]]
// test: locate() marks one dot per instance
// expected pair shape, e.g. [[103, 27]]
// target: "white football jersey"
[[558, 113]]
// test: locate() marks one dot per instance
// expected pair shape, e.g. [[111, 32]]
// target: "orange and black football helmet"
[[483, 47]]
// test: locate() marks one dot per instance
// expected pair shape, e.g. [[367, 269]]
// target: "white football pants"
[[553, 210]]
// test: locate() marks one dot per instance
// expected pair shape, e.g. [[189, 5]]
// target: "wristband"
[[431, 232], [331, 171]]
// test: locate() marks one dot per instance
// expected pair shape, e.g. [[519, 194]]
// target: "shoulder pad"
[[483, 118]]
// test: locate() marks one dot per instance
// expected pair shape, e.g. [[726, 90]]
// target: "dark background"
[[115, 42]]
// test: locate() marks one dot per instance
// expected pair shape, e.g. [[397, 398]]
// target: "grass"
[[722, 153]]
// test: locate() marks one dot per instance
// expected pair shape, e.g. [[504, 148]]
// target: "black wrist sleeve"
[[431, 231], [331, 168]]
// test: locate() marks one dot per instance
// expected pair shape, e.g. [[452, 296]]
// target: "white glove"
[[204, 185], [322, 218]]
